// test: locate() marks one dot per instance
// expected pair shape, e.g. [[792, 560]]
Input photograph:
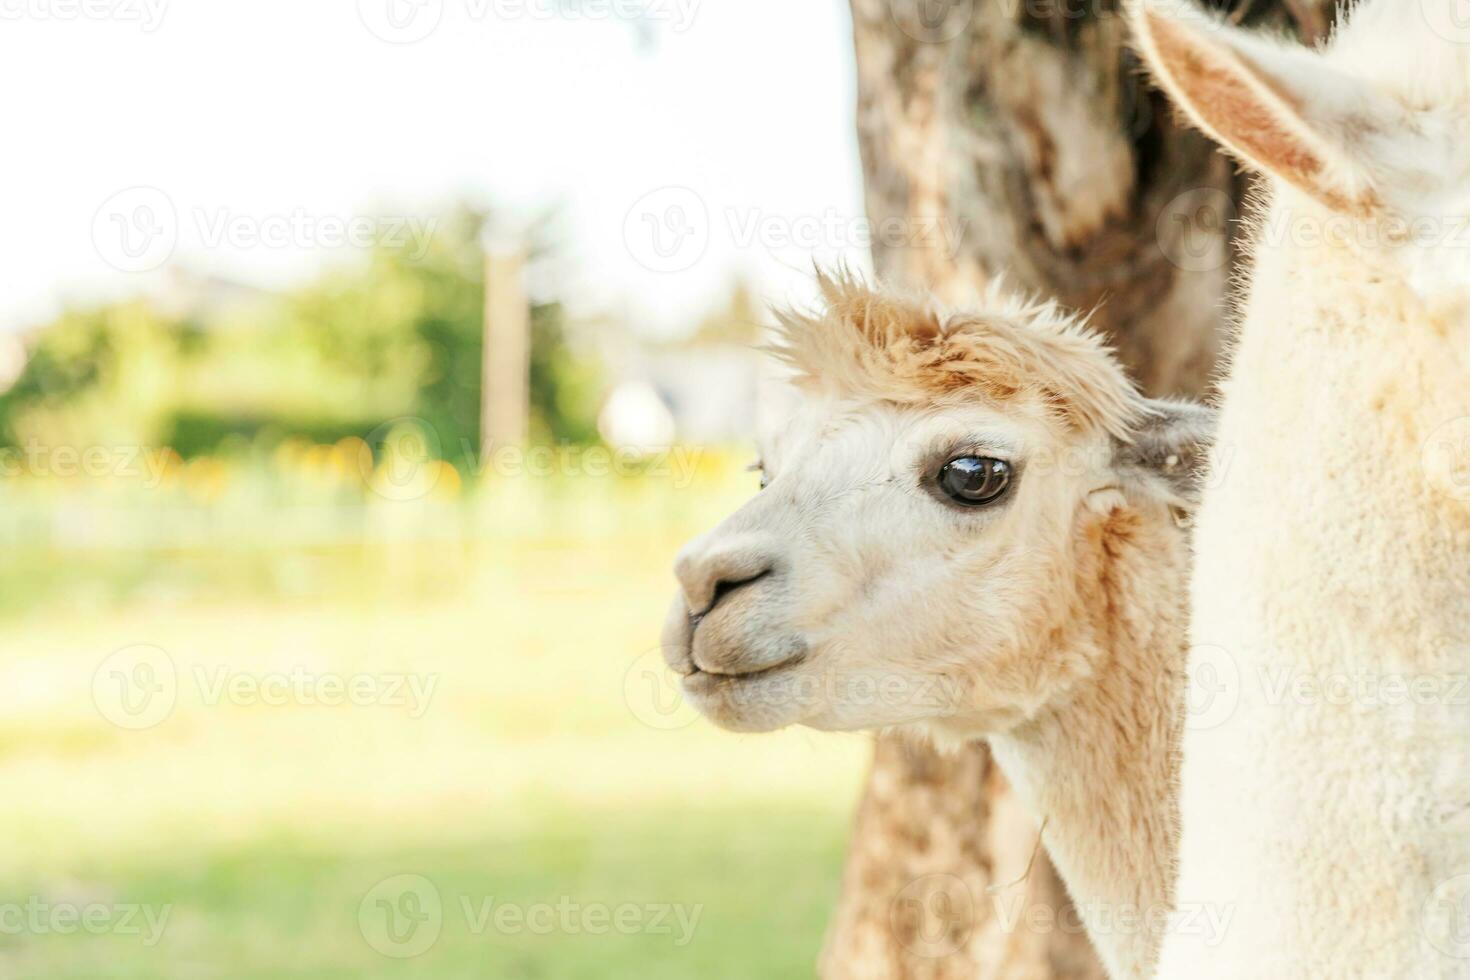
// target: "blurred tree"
[[1029, 128], [96, 376], [397, 335]]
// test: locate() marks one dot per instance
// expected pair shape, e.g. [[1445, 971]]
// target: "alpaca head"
[[1367, 139], [930, 521]]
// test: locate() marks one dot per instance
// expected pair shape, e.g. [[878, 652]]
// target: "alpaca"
[[969, 526], [1330, 809]]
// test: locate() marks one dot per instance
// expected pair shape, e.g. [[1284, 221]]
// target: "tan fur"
[[899, 347], [852, 594]]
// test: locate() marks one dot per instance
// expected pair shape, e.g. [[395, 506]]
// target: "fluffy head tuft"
[[904, 349]]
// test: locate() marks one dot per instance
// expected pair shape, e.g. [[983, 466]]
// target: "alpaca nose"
[[708, 573]]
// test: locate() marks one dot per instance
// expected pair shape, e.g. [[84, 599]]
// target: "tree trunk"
[[1018, 137]]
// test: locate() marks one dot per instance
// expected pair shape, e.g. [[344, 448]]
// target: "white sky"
[[281, 119]]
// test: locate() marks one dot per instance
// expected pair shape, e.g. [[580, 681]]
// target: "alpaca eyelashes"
[[975, 480]]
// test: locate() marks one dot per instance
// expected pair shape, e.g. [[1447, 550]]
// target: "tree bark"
[[1026, 131]]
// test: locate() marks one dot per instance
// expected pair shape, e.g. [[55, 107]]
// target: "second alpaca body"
[[1326, 805]]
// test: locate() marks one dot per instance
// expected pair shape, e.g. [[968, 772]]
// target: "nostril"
[[723, 588], [710, 570]]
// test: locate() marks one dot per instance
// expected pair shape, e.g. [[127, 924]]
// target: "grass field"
[[413, 754]]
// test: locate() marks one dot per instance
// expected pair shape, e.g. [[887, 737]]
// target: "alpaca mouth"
[[708, 680]]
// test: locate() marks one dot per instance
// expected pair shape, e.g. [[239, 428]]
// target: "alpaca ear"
[[1281, 109], [1170, 447]]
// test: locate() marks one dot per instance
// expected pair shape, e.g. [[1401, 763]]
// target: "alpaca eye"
[[975, 480], [759, 467]]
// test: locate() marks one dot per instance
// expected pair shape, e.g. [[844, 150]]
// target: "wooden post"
[[505, 395]]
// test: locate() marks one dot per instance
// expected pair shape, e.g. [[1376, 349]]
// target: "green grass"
[[759, 882], [531, 776]]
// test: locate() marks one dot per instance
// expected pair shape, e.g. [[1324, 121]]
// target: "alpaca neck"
[[1099, 765], [1331, 567]]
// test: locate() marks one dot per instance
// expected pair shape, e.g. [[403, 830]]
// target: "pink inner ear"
[[1242, 108]]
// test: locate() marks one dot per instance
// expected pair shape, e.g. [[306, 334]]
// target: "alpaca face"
[[899, 565], [909, 564], [928, 524]]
